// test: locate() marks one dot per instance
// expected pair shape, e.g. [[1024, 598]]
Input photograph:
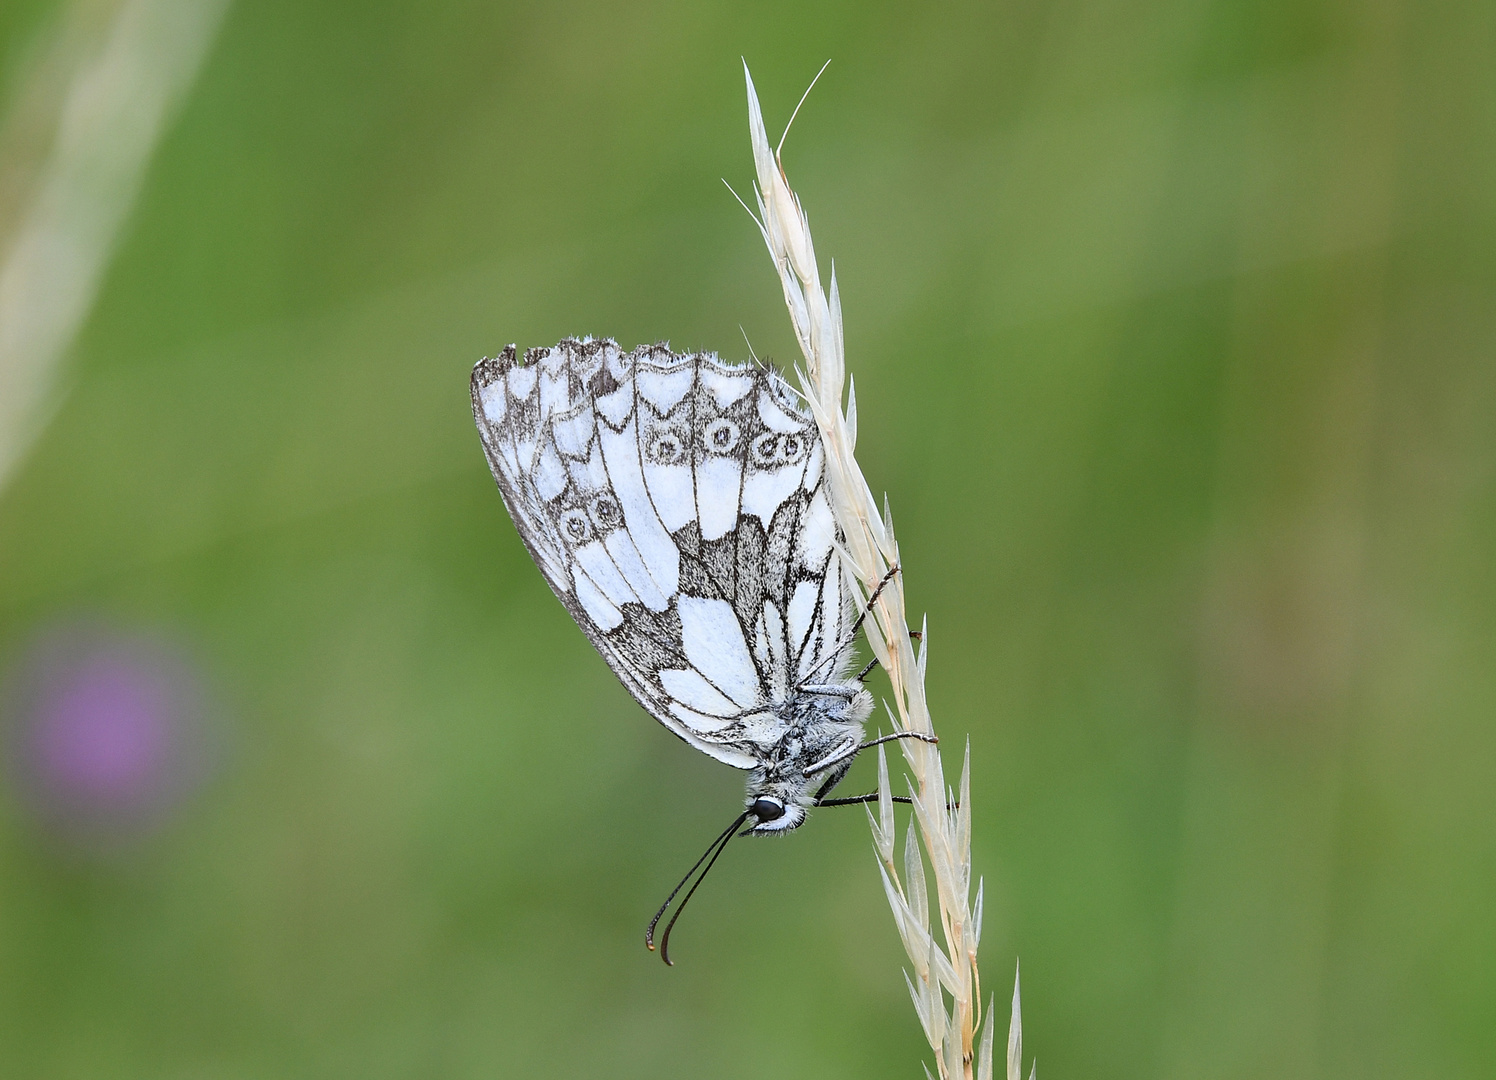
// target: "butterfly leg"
[[856, 800], [920, 735], [841, 690], [849, 750], [841, 760], [871, 600], [872, 796], [914, 635]]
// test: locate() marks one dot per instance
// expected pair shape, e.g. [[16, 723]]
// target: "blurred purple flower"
[[106, 731]]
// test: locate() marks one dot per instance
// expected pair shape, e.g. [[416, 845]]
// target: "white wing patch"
[[817, 532], [803, 605], [692, 691], [713, 640], [493, 400], [657, 552], [597, 606], [675, 503]]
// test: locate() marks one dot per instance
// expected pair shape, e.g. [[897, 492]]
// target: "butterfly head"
[[824, 728], [773, 814]]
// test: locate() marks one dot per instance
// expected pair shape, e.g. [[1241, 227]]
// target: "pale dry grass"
[[75, 141], [944, 986]]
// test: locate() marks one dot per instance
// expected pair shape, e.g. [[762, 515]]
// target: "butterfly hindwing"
[[676, 504]]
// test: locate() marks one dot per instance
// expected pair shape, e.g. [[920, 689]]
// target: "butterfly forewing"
[[677, 506]]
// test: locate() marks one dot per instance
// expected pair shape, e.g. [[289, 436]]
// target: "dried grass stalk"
[[944, 984], [73, 152]]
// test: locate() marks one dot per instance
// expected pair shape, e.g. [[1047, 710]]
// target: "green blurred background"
[[1174, 334]]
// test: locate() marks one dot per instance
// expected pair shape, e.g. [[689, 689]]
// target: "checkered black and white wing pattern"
[[677, 506]]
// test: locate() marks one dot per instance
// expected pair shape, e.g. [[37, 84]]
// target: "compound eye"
[[767, 809]]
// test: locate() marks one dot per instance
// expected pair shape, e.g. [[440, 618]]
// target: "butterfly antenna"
[[714, 849], [665, 940], [796, 113]]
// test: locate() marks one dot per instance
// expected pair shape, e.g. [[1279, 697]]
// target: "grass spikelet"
[[944, 987]]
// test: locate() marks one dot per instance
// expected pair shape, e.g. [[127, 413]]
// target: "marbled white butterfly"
[[677, 505]]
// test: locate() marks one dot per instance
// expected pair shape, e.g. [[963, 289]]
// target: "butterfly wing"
[[676, 504]]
